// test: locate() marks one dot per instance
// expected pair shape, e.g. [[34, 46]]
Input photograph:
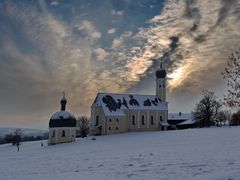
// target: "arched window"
[[143, 122], [53, 133], [110, 120], [116, 128], [152, 120], [163, 85], [63, 133], [117, 119], [133, 120], [160, 86], [109, 128], [97, 120]]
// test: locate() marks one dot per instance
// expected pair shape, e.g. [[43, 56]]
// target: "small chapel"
[[113, 113], [62, 125]]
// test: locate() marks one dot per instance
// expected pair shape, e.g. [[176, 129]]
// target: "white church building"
[[116, 113]]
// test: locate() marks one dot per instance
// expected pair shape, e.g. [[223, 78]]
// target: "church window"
[[110, 120], [143, 122], [161, 118], [97, 120], [53, 134], [63, 133], [152, 120], [116, 128], [160, 86], [109, 128], [163, 85], [117, 119], [133, 120]]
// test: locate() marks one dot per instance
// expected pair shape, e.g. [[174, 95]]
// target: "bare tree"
[[232, 75], [17, 138], [83, 126], [206, 111]]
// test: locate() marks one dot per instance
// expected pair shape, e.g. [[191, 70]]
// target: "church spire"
[[63, 102], [161, 64]]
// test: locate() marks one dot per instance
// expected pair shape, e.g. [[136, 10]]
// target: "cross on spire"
[[161, 63], [64, 95], [63, 102]]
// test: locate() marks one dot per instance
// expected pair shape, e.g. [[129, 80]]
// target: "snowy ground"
[[212, 153]]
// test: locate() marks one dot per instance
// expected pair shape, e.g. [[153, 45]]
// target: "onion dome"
[[161, 73], [62, 118]]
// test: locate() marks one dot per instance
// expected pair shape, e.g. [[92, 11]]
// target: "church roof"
[[113, 104]]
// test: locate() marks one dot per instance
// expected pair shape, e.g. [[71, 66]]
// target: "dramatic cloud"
[[194, 39], [47, 47]]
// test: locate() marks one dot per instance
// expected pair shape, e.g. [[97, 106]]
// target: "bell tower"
[[161, 84]]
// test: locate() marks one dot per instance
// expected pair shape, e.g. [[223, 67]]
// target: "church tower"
[[161, 84]]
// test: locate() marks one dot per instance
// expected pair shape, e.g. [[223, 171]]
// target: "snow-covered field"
[[212, 153]]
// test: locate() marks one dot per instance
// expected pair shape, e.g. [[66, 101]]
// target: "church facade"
[[113, 113]]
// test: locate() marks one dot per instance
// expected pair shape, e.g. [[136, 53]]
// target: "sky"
[[86, 46]]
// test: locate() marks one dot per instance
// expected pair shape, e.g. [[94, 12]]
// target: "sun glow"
[[176, 78]]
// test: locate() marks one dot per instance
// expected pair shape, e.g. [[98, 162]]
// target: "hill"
[[211, 153]]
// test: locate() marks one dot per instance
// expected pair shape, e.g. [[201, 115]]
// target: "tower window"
[[110, 120], [152, 120], [116, 128], [133, 120], [163, 85], [109, 128], [143, 122], [117, 119], [63, 133], [160, 86], [97, 120]]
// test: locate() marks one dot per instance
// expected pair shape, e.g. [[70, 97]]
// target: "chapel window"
[[63, 133]]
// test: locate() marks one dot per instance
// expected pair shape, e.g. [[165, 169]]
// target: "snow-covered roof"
[[179, 116], [189, 121], [114, 104], [62, 115]]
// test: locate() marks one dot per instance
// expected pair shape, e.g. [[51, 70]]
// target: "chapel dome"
[[62, 118]]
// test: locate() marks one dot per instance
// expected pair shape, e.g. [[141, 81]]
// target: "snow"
[[63, 114], [159, 105], [196, 154]]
